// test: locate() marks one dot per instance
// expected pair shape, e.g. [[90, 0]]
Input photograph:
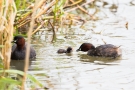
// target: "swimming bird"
[[19, 49], [107, 50], [68, 50]]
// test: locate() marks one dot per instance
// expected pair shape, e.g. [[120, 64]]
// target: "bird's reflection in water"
[[18, 65], [100, 60]]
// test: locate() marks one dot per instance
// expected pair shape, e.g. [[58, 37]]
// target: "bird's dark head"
[[19, 40], [85, 47], [69, 50]]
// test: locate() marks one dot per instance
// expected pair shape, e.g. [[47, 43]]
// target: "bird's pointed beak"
[[14, 41]]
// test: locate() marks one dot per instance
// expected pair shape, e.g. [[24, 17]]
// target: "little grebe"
[[19, 49], [69, 50]]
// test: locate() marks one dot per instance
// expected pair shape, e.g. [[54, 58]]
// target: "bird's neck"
[[20, 47]]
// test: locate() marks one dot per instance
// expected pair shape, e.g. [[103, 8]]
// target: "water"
[[77, 71]]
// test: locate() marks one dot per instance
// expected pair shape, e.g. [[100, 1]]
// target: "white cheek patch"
[[15, 41]]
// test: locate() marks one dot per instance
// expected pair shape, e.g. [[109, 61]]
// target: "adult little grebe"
[[107, 50], [19, 49]]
